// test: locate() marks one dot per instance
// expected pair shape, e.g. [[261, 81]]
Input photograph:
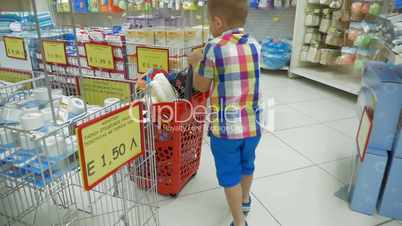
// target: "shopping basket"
[[178, 129], [178, 141]]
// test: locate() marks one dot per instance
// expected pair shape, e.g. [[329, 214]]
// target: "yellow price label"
[[110, 142], [55, 52], [100, 56], [152, 58], [15, 76], [95, 91], [15, 48]]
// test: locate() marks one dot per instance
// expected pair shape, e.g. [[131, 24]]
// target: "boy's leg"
[[227, 156], [246, 182], [248, 159], [234, 199]]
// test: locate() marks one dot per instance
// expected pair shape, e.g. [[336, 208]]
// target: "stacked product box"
[[382, 94], [390, 204]]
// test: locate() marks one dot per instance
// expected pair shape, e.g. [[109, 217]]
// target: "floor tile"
[[273, 157], [292, 94], [319, 143], [325, 110], [346, 126], [341, 169], [285, 117], [207, 209], [392, 223], [306, 198], [268, 80]]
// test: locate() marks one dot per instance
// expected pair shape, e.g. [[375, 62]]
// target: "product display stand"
[[340, 77], [54, 169]]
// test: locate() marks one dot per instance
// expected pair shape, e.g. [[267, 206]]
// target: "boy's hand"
[[195, 57]]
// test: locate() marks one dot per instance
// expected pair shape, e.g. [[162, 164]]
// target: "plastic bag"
[[276, 53]]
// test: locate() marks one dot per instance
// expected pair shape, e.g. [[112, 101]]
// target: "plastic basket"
[[179, 128]]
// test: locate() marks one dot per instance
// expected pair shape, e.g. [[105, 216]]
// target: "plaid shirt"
[[232, 62]]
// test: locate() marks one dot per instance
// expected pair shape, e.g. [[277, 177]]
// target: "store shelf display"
[[345, 35], [272, 4], [44, 95]]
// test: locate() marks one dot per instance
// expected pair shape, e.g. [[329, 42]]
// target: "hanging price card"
[[148, 58], [95, 91], [100, 56], [55, 52], [110, 142], [15, 48], [364, 132], [14, 76]]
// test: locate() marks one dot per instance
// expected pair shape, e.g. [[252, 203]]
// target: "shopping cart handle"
[[188, 91]]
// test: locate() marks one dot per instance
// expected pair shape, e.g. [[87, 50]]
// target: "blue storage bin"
[[369, 178], [275, 54]]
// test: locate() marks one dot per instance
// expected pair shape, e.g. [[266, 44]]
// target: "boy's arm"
[[199, 62]]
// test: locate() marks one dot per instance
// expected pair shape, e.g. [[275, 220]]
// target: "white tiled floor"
[[299, 167]]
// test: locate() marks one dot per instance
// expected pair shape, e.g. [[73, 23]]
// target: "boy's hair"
[[234, 12]]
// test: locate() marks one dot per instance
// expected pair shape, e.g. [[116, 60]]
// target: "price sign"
[[97, 90], [110, 142], [364, 132], [14, 76], [15, 48], [55, 52], [100, 56], [148, 58]]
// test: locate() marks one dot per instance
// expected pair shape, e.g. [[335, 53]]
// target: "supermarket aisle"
[[300, 166]]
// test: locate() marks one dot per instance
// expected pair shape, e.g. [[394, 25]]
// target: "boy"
[[229, 68]]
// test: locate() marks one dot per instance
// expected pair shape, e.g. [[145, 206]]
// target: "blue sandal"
[[232, 224], [246, 207]]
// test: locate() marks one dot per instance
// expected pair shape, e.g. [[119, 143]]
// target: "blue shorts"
[[233, 159]]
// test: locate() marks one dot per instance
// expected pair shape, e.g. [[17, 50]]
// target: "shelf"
[[342, 80], [23, 5], [88, 19], [340, 77]]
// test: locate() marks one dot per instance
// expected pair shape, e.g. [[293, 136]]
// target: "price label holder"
[[100, 56], [55, 52], [148, 58], [110, 142], [364, 132], [15, 48]]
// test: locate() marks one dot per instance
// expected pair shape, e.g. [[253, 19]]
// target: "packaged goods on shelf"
[[392, 33], [328, 30], [179, 42], [17, 22], [35, 146], [120, 6], [272, 4], [34, 59]]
